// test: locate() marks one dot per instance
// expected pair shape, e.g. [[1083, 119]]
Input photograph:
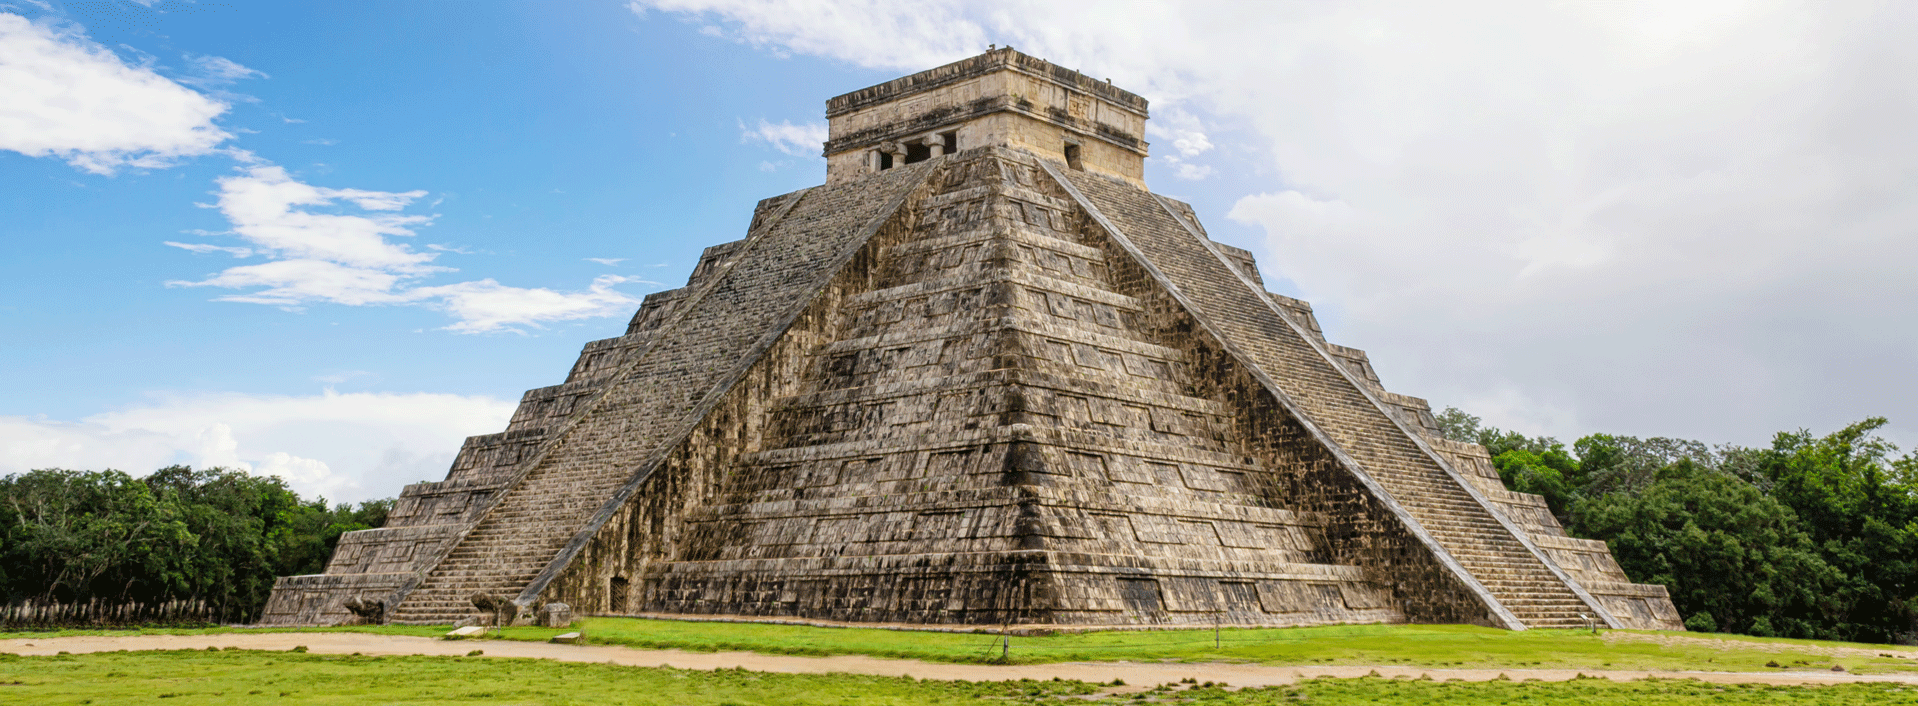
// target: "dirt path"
[[1137, 675], [1722, 644]]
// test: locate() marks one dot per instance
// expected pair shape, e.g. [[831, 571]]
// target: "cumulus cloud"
[[486, 305], [347, 447], [1650, 218], [292, 283], [70, 98], [1186, 135], [864, 32], [274, 211], [349, 258], [67, 97], [797, 140]]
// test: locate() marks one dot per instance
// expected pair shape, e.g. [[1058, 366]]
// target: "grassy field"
[[1456, 646], [1461, 646], [250, 677]]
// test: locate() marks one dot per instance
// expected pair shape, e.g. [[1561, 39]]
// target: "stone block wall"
[[990, 411], [980, 435], [1000, 99]]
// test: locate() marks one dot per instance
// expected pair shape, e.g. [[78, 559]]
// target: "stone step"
[[1564, 602], [520, 577], [541, 543]]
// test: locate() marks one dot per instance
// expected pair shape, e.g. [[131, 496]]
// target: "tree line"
[[1813, 537], [217, 535]]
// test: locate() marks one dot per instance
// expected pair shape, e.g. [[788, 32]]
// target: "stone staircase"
[[1486, 549], [1457, 522], [637, 420], [513, 543]]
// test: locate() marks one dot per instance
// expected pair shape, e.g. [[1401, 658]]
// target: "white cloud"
[[221, 69], [1182, 129], [607, 261], [273, 211], [485, 306], [292, 283], [805, 140], [1684, 219], [348, 447], [1187, 137], [1191, 172], [865, 32], [204, 248], [70, 98], [348, 259]]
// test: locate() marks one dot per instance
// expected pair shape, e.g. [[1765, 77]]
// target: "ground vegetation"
[[216, 536], [1413, 646], [1814, 536], [245, 677]]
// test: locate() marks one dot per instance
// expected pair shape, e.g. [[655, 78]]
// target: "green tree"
[[77, 536], [1456, 425], [236, 518], [1722, 548], [217, 535], [1859, 507], [1627, 464], [1551, 473], [1815, 536]]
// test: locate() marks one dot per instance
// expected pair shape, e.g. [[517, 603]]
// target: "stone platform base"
[[1016, 630]]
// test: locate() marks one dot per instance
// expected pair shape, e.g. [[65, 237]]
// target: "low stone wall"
[[318, 599]]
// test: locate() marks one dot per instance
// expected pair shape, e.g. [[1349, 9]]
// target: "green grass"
[[249, 677], [1458, 646], [418, 630], [1438, 646]]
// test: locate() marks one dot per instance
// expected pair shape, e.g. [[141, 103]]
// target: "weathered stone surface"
[[1000, 98], [320, 599], [555, 615], [996, 386]]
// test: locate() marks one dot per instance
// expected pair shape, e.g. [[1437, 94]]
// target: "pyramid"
[[981, 376]]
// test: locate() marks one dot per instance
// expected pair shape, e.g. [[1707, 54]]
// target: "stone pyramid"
[[981, 376]]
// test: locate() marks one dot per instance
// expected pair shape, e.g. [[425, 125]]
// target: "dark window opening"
[[952, 142], [885, 161], [619, 588], [918, 153], [1072, 158]]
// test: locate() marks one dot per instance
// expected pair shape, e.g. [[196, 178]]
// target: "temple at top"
[[1001, 98]]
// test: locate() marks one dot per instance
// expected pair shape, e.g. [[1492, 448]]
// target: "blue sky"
[[390, 219], [541, 139]]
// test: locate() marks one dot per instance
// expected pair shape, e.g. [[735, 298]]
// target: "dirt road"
[[1137, 675]]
